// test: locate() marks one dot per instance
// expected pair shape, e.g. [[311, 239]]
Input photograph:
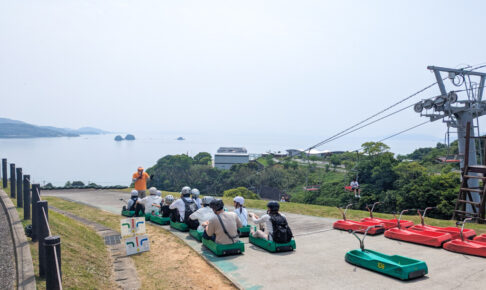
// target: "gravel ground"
[[7, 262]]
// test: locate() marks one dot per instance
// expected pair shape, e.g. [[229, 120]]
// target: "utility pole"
[[457, 112]]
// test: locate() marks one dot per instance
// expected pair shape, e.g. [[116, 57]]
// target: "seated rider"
[[223, 227], [240, 210], [204, 214], [355, 187], [195, 196], [134, 205], [274, 223], [151, 202], [185, 207], [164, 208]]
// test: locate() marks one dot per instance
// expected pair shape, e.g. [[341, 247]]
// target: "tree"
[[78, 183], [374, 148], [203, 158]]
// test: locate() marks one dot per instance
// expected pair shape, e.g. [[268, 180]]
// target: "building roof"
[[240, 150]]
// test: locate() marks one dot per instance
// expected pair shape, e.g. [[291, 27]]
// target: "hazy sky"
[[302, 69]]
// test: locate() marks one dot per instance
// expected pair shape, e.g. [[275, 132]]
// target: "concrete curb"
[[23, 258]]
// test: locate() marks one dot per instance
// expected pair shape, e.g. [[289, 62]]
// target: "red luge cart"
[[429, 238], [387, 223], [453, 231], [359, 227], [464, 246]]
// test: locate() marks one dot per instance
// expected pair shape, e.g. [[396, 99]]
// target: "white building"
[[228, 156]]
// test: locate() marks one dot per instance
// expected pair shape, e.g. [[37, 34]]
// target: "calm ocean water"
[[99, 159]]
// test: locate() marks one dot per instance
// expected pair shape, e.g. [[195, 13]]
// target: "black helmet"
[[273, 206], [217, 204]]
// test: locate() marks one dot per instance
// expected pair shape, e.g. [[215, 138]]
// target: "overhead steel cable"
[[398, 133], [367, 124], [335, 136], [345, 132]]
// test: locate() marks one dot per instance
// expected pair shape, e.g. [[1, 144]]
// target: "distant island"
[[180, 138], [17, 129], [129, 137]]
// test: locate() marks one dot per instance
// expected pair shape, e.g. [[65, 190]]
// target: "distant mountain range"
[[18, 129]]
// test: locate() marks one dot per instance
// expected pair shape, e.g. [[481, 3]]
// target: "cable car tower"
[[457, 113]]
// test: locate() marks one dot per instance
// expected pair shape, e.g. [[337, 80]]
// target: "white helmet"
[[169, 199], [239, 199], [186, 190], [195, 192], [207, 200], [159, 193], [134, 193], [153, 190]]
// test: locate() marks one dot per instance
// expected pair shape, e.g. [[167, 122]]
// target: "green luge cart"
[[196, 234], [179, 226], [224, 250], [128, 213], [396, 266], [244, 231], [160, 220], [147, 216], [271, 246]]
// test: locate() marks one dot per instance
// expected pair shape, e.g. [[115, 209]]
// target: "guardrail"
[[29, 197]]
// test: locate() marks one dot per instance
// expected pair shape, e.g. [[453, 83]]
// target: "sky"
[[301, 70]]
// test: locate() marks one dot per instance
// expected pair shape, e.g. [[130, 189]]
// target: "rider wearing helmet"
[[204, 214], [133, 203], [195, 196], [151, 202], [164, 209], [223, 227], [240, 210], [185, 206], [267, 220]]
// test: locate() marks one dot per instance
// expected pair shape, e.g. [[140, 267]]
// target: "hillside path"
[[318, 262]]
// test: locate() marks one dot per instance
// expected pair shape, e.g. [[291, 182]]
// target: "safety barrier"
[[29, 198]]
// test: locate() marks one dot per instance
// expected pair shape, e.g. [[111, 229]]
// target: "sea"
[[100, 159]]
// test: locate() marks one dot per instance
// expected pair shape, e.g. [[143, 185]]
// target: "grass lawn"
[[84, 258]]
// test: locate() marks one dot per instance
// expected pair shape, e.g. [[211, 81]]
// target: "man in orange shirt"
[[140, 179]]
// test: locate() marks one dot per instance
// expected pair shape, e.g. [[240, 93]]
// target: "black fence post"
[[26, 197], [13, 183], [19, 187], [35, 218], [4, 172], [43, 233], [52, 247]]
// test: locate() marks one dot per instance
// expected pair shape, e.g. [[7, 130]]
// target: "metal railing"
[[49, 245]]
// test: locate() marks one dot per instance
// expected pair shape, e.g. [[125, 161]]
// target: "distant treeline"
[[404, 182]]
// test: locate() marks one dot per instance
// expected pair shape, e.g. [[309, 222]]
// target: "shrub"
[[240, 191]]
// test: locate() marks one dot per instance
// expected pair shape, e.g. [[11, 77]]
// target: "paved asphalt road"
[[318, 262]]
